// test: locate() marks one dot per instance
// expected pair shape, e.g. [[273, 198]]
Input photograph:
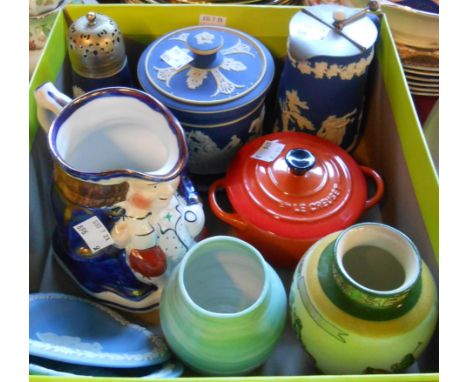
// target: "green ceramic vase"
[[363, 301], [224, 309]]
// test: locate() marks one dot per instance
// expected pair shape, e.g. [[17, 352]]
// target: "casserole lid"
[[206, 66], [296, 185]]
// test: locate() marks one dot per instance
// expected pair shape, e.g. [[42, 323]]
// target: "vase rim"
[[412, 267], [249, 249]]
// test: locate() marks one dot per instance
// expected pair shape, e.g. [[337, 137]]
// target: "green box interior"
[[143, 23]]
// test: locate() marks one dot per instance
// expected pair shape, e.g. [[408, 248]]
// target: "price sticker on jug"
[[94, 233]]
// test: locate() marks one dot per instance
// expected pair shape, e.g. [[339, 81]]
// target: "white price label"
[[269, 151], [94, 233], [213, 20], [176, 57]]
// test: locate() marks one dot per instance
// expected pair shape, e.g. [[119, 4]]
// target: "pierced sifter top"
[[95, 46]]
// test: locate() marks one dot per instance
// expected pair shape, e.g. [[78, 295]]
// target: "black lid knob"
[[300, 161]]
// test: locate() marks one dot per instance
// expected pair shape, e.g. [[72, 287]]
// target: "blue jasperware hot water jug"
[[323, 84]]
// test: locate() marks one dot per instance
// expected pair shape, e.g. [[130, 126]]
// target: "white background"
[[14, 138]]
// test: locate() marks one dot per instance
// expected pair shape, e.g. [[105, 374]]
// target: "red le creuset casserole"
[[290, 189]]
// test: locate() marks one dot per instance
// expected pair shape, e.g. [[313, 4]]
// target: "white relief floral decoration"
[[239, 47], [224, 85], [196, 76], [204, 38], [323, 70], [232, 64], [181, 37]]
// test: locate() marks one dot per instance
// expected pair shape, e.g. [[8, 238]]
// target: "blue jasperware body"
[[74, 330], [330, 108]]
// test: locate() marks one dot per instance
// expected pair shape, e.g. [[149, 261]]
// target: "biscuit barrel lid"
[[206, 66]]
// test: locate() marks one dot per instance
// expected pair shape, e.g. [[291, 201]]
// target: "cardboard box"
[[393, 144]]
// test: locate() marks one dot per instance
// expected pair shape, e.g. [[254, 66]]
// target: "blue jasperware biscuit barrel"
[[323, 84], [214, 79]]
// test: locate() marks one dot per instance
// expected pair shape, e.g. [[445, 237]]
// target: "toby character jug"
[[126, 212], [323, 84]]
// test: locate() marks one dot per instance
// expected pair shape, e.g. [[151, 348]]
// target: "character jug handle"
[[50, 103]]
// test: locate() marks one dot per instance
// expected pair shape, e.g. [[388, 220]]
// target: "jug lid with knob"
[[331, 30]]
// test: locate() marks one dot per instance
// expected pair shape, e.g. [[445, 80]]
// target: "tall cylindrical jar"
[[224, 309], [323, 84], [363, 301], [97, 54]]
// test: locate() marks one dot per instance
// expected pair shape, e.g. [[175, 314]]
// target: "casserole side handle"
[[379, 186], [232, 219]]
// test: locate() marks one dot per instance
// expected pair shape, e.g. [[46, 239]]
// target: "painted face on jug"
[[135, 231], [146, 195]]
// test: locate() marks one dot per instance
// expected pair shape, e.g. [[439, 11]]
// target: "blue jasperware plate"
[[74, 330], [40, 366]]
